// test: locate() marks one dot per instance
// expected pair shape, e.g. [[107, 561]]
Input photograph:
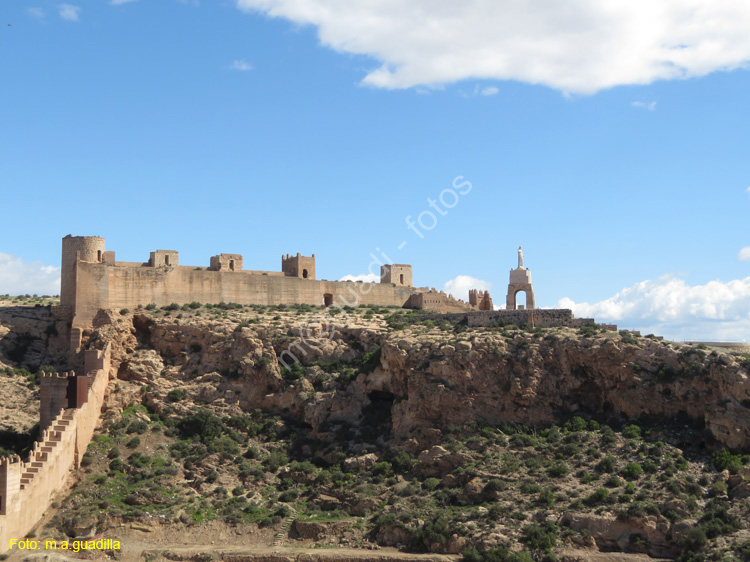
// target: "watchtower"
[[74, 248], [520, 280], [298, 266], [226, 262], [397, 273], [164, 258], [480, 300]]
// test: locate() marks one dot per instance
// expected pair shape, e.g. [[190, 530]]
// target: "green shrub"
[[724, 460], [403, 462], [693, 541], [632, 471], [275, 460], [613, 481], [431, 484], [288, 496], [743, 551], [631, 432], [542, 536], [607, 464], [202, 424], [87, 459], [293, 373], [137, 426], [435, 530], [494, 485], [576, 423], [598, 497], [609, 437], [176, 395], [133, 443], [558, 470]]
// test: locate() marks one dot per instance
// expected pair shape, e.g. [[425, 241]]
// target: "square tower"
[[226, 262], [397, 273], [298, 266], [162, 258]]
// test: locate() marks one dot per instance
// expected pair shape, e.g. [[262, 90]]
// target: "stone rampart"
[[101, 285], [26, 488], [537, 318]]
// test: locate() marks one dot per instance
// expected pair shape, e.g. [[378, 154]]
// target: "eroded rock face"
[[651, 535], [424, 382], [32, 337]]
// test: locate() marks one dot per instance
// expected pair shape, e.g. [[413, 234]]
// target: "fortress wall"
[[350, 293], [538, 317], [58, 450], [29, 504], [437, 302], [107, 286]]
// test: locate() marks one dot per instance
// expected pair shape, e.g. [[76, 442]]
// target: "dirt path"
[[134, 551]]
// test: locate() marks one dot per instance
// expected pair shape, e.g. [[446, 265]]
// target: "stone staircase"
[[283, 532], [39, 454]]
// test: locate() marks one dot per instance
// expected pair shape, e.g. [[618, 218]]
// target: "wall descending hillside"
[[26, 488]]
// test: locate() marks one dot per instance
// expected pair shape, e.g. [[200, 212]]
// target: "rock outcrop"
[[425, 382]]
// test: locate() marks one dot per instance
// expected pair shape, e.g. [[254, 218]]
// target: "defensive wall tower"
[[298, 266], [480, 300], [226, 262], [85, 248], [397, 273]]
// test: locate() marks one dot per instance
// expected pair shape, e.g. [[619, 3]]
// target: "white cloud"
[[19, 277], [241, 65], [651, 106], [579, 46], [744, 254], [367, 278], [747, 191], [459, 286], [118, 2], [35, 12], [670, 307], [69, 12], [489, 91]]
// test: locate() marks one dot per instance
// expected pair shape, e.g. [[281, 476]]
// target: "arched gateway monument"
[[520, 280]]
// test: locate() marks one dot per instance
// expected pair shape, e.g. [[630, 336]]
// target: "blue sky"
[[609, 139]]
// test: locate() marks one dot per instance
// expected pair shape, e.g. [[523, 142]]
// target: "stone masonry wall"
[[102, 285], [26, 488], [538, 318]]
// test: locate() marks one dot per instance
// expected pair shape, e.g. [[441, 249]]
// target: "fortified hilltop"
[[93, 279]]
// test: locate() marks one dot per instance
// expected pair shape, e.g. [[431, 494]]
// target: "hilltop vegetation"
[[504, 443]]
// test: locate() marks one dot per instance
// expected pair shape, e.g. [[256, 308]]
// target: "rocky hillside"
[[417, 433], [428, 374]]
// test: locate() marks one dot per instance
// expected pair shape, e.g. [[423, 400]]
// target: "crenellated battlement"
[[49, 377]]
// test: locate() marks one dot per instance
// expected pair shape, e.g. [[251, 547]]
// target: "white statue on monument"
[[520, 257]]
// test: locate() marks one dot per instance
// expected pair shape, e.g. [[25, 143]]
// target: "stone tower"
[[520, 280], [84, 248], [298, 266], [480, 300], [397, 273]]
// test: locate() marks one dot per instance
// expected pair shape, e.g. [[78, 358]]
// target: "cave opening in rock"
[[376, 418]]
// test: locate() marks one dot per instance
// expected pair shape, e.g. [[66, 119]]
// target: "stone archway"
[[513, 290], [520, 280]]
